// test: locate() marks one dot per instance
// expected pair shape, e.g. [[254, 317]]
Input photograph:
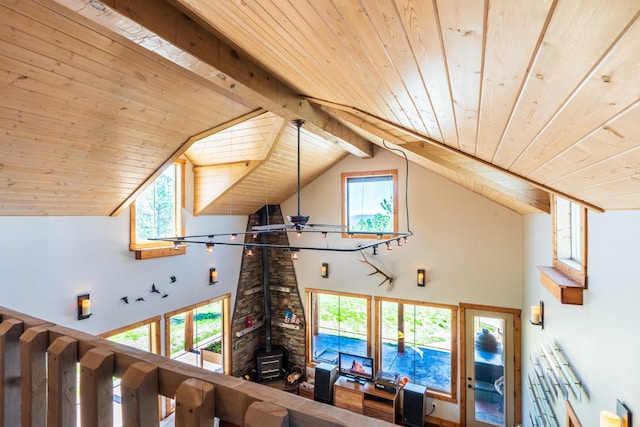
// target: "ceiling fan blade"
[[271, 227], [334, 226]]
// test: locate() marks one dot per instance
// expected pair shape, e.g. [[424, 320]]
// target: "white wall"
[[600, 338], [48, 261], [471, 247]]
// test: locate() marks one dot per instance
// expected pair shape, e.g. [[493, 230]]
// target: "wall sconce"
[[609, 419], [324, 270], [213, 276], [294, 254], [537, 315], [422, 280], [623, 412], [84, 306]]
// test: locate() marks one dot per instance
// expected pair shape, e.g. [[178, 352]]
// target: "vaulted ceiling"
[[512, 99]]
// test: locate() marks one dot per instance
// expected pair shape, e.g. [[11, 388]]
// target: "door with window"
[[490, 379]]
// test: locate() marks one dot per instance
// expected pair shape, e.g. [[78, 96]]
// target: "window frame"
[[190, 335], [311, 324], [154, 332], [439, 394], [575, 269], [134, 245], [345, 206]]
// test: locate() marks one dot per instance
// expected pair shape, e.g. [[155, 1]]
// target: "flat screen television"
[[357, 368]]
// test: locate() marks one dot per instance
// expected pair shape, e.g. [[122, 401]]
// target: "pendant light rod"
[[298, 123], [300, 221]]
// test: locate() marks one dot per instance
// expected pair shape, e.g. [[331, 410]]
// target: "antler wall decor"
[[387, 277]]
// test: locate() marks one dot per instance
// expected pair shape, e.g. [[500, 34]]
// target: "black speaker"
[[414, 405], [325, 376]]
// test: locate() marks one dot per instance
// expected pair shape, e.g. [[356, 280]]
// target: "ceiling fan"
[[296, 222]]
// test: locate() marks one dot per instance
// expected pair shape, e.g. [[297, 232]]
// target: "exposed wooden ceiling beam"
[[186, 41], [363, 120]]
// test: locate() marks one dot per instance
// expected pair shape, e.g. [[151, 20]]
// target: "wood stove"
[[270, 364]]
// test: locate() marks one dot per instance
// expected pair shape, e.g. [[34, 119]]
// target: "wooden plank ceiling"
[[512, 99]]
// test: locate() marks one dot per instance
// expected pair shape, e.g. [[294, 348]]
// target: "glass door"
[[489, 368]]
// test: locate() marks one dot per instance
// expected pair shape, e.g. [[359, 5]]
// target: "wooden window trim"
[[572, 417], [566, 282], [394, 176], [440, 395], [154, 332], [188, 310], [311, 324], [160, 249], [577, 273]]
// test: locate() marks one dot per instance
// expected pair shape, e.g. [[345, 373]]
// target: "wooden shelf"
[[280, 288], [562, 287], [287, 325], [245, 331]]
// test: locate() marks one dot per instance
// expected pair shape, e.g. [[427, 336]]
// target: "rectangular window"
[[339, 323], [144, 335], [190, 330], [417, 340], [157, 211], [570, 235], [370, 202]]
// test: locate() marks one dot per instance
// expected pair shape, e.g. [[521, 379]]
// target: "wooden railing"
[[39, 384]]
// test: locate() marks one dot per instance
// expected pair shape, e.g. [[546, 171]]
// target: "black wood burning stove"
[[270, 364]]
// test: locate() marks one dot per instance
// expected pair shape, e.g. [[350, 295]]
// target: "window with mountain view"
[[370, 202]]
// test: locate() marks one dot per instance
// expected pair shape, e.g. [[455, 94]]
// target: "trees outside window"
[[157, 211], [370, 202], [339, 323]]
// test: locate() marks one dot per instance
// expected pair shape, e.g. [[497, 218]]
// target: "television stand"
[[366, 399]]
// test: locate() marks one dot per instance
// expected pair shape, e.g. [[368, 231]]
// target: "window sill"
[[148, 253], [561, 286]]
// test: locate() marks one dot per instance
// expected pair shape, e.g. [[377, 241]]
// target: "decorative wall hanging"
[[387, 277]]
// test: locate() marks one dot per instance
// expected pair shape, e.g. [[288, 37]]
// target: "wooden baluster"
[[62, 385], [96, 388], [139, 391], [195, 404], [33, 364], [265, 414], [10, 331]]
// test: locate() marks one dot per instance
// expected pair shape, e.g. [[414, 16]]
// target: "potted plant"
[[212, 352]]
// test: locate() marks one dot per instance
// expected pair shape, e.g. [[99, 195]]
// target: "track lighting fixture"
[[299, 224]]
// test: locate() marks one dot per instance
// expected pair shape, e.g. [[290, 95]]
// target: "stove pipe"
[[264, 220]]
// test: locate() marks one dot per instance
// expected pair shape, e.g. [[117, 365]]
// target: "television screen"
[[358, 367]]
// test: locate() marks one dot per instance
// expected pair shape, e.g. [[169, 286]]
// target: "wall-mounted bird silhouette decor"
[[140, 299], [154, 290], [165, 295], [173, 279], [125, 300]]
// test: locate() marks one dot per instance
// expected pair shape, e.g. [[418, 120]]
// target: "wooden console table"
[[366, 399]]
